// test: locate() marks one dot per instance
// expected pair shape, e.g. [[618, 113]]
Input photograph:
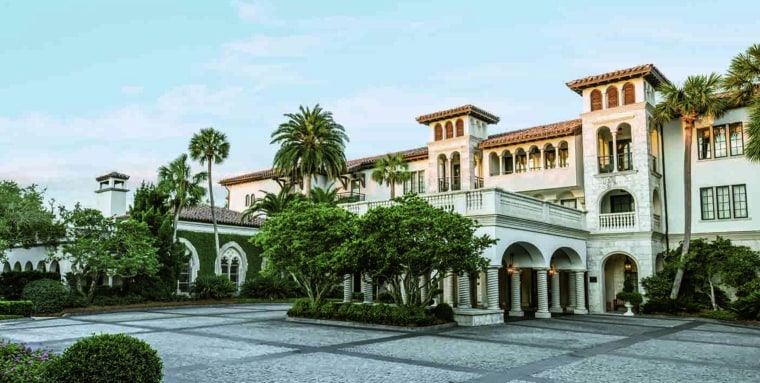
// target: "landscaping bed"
[[377, 314]]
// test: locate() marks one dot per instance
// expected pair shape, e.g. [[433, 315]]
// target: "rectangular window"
[[521, 164], [421, 181], [708, 203], [723, 202], [508, 165], [740, 200], [737, 138], [573, 203], [719, 138], [703, 144]]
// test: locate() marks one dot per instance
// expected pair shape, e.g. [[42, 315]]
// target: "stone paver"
[[254, 343]]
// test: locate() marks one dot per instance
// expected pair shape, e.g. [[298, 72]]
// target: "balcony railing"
[[617, 221], [605, 164], [456, 183], [653, 165], [624, 161], [443, 184], [477, 182], [350, 197]]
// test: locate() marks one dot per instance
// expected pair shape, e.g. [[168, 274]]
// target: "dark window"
[[621, 203], [596, 100], [438, 132], [703, 144], [719, 139], [708, 203], [460, 128], [573, 203], [508, 163], [723, 202], [563, 157], [612, 97], [449, 129], [740, 201], [629, 94], [421, 181], [737, 138]]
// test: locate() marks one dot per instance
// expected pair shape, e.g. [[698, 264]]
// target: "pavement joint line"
[[505, 342], [709, 342], [684, 361], [525, 371], [248, 359], [180, 329], [755, 333], [609, 347], [610, 322], [414, 362], [576, 331]]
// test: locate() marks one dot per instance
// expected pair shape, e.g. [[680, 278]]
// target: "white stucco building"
[[578, 206]]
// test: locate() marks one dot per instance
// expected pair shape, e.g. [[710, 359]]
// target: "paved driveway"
[[253, 343]]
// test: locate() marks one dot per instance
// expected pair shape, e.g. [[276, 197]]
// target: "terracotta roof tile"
[[116, 175], [248, 177], [557, 129], [465, 110], [648, 71], [223, 216]]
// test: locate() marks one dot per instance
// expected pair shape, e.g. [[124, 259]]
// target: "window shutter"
[[438, 132], [629, 94], [612, 97], [460, 128], [596, 100], [449, 129]]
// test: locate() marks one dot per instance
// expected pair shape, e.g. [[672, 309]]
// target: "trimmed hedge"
[[12, 283], [269, 287], [48, 296], [23, 308], [413, 316]]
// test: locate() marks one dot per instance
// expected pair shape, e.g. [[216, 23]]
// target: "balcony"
[[605, 164], [477, 182], [443, 184], [350, 197], [624, 161], [617, 221]]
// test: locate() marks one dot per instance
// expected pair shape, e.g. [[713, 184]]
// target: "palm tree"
[[391, 170], [743, 81], [270, 205], [312, 143], [184, 187], [697, 98], [207, 146], [328, 195]]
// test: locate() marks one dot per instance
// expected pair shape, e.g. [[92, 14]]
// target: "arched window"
[[563, 155], [604, 150], [232, 263], [6, 267], [438, 132], [41, 266], [493, 164], [508, 162], [460, 128], [231, 266], [17, 266], [247, 200], [534, 160], [596, 100], [521, 161], [629, 94], [449, 129], [550, 157], [612, 97]]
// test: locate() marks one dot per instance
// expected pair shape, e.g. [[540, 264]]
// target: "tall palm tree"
[[184, 187], [391, 170], [743, 81], [207, 146], [271, 204], [311, 143], [697, 98]]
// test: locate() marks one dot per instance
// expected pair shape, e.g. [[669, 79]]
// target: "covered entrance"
[[618, 268]]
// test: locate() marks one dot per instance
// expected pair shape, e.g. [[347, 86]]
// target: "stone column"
[[543, 295], [614, 152], [580, 292], [448, 289], [367, 290], [492, 282], [347, 288], [464, 291], [556, 305], [516, 310], [571, 291]]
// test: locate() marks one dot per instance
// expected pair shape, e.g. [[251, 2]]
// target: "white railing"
[[617, 221]]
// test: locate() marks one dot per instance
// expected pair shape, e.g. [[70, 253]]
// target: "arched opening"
[[654, 149], [460, 127], [612, 97], [17, 266], [508, 162], [623, 147], [596, 100], [6, 267], [550, 156], [656, 211], [28, 266], [443, 180], [629, 94], [449, 129], [604, 149], [247, 200], [41, 266], [659, 262], [562, 291], [534, 158], [563, 154], [438, 132], [189, 270], [517, 278], [493, 164], [617, 211], [456, 172], [230, 265], [54, 267], [521, 161], [618, 268]]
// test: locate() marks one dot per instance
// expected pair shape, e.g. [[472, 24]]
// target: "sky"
[[90, 87]]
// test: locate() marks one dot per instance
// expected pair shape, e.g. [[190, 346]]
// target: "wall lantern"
[[627, 266]]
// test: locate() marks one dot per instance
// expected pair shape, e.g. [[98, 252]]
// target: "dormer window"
[[612, 97], [596, 100]]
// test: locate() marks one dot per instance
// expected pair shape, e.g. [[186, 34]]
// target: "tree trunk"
[[393, 189], [307, 185], [213, 209], [712, 295], [688, 125], [91, 293], [176, 224]]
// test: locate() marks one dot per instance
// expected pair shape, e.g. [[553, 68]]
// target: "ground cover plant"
[[22, 364]]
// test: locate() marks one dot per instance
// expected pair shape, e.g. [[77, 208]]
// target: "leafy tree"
[[697, 98], [24, 221], [413, 245], [207, 146], [271, 204], [311, 143], [98, 247], [391, 170], [743, 82], [308, 241], [328, 195], [183, 187]]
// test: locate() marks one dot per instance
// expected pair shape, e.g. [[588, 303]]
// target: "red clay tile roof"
[[248, 177], [466, 110], [117, 175], [648, 71], [223, 216], [557, 129]]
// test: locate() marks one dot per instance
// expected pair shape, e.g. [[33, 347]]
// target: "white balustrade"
[[617, 221]]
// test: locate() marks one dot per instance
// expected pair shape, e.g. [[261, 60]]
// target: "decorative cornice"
[[465, 110], [648, 71]]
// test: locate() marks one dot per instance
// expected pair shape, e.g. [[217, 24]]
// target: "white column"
[[516, 310], [464, 291], [347, 288], [543, 295], [448, 289], [614, 152], [571, 291], [367, 290], [492, 282], [556, 305], [580, 292]]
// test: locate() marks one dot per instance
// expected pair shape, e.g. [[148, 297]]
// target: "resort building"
[[578, 206]]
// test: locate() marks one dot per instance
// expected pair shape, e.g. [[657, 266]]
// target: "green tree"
[[413, 245], [271, 204], [391, 170], [98, 247], [24, 221], [328, 195], [308, 241], [311, 143], [207, 146], [743, 82], [697, 98], [183, 187]]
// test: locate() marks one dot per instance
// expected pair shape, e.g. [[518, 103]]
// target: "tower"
[[111, 195]]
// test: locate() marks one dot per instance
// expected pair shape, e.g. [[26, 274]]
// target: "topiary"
[[107, 358], [48, 296]]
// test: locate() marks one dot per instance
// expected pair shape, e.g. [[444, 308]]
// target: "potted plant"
[[630, 297]]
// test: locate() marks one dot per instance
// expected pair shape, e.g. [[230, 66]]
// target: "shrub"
[[213, 287], [23, 308], [116, 300], [107, 358], [76, 300], [631, 297], [12, 283], [357, 296], [748, 288], [384, 297], [377, 314], [48, 296], [720, 315], [20, 364], [269, 287], [748, 307], [444, 312]]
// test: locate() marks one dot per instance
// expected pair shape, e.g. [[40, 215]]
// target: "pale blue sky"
[[87, 87]]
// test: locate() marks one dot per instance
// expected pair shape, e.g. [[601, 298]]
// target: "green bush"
[[20, 364], [23, 308], [631, 297], [213, 287], [720, 314], [269, 287], [748, 288], [748, 307], [357, 296], [12, 283], [107, 358], [376, 314], [444, 312], [76, 300], [48, 296], [116, 300], [384, 297]]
